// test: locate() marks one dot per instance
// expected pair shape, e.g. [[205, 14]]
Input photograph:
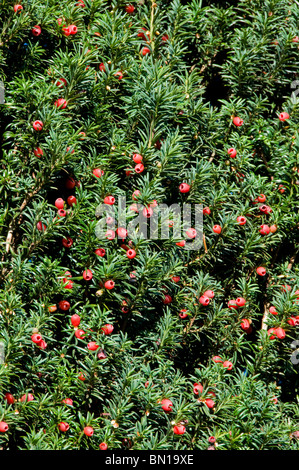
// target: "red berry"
[[179, 429], [217, 359], [87, 275], [145, 51], [107, 329], [71, 200], [142, 35], [110, 234], [100, 252], [63, 427], [61, 213], [109, 284], [101, 354], [147, 212], [130, 9], [232, 152], [131, 254], [27, 397], [183, 314], [60, 103], [241, 220], [273, 311], [38, 152], [238, 121], [88, 431], [121, 232], [184, 188], [176, 278], [181, 243], [81, 377], [232, 304], [36, 338], [283, 116], [245, 325], [9, 398], [191, 233], [17, 8], [197, 387], [64, 305], [79, 334], [102, 67], [75, 320], [59, 203], [280, 333], [38, 125], [227, 365], [209, 293], [272, 333], [70, 183], [211, 440], [210, 403], [206, 211], [265, 209], [103, 446], [3, 426], [167, 299], [92, 346], [261, 198], [61, 82], [36, 30], [73, 29], [137, 158], [98, 172], [261, 271], [217, 229], [40, 226], [110, 200], [240, 302], [139, 168], [204, 300], [264, 230], [67, 242], [166, 405]]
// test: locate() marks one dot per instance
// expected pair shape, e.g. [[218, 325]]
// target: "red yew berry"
[[191, 233], [100, 252], [181, 243], [36, 30], [272, 333], [102, 67], [79, 333], [109, 284], [60, 103], [206, 211], [176, 278], [38, 125], [98, 172], [212, 440], [81, 377], [142, 35], [3, 426], [280, 333], [284, 116], [107, 329], [87, 275], [264, 230], [71, 200], [92, 346], [110, 234], [232, 152], [36, 338], [73, 29], [64, 305], [166, 405], [261, 271], [59, 203], [183, 313], [197, 387], [75, 320], [227, 365], [165, 37], [240, 301], [179, 429], [209, 293], [131, 254], [67, 242], [40, 226], [145, 51], [273, 228], [217, 229], [109, 200], [273, 310], [210, 403], [147, 212], [139, 168], [27, 397], [261, 198], [241, 220], [130, 9], [61, 213], [238, 121], [17, 8], [122, 233], [38, 152], [103, 446], [184, 188], [63, 426], [70, 183], [137, 158], [167, 299], [88, 431], [135, 194], [204, 300], [9, 398], [61, 82], [217, 359], [232, 304], [245, 325]]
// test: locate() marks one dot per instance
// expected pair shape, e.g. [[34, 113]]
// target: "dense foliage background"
[[174, 104]]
